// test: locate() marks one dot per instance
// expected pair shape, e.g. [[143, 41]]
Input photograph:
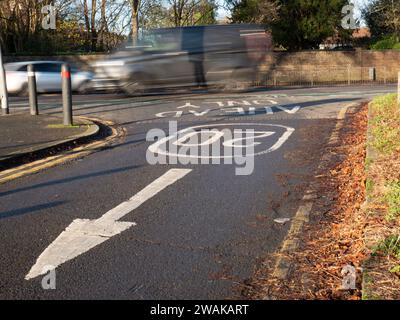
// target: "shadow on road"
[[66, 180], [22, 211]]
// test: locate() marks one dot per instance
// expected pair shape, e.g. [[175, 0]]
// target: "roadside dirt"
[[333, 238]]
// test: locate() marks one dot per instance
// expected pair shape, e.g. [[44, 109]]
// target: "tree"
[[192, 12], [86, 17], [253, 11], [205, 13], [383, 18], [306, 24], [92, 25], [93, 30], [20, 24], [153, 14], [82, 25], [295, 24], [103, 23], [135, 5]]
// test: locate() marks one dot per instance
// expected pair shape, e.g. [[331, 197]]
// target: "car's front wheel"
[[23, 92]]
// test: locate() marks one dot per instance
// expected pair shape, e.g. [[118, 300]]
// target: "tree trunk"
[[103, 25], [135, 20], [87, 22], [93, 33]]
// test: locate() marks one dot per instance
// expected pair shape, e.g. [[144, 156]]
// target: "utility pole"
[[3, 87]]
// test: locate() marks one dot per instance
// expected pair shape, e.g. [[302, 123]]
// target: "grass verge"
[[382, 234]]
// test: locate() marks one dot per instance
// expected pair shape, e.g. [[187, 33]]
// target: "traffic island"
[[26, 138]]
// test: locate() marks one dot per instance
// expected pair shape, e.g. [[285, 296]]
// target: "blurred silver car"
[[48, 77]]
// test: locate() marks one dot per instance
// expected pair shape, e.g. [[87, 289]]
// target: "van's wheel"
[[84, 88], [234, 85], [134, 86], [236, 82]]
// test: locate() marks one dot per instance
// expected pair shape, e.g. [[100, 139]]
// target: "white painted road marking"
[[249, 110], [84, 234], [159, 147]]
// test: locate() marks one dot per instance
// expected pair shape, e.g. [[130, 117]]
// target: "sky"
[[222, 12], [359, 4]]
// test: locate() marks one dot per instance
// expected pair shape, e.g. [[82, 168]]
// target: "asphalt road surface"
[[194, 231]]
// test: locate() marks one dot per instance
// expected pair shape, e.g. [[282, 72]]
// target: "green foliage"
[[383, 104], [369, 185], [395, 269], [385, 130], [296, 24], [205, 13], [368, 163], [393, 199], [153, 16], [304, 24], [385, 124], [245, 11], [390, 246], [387, 42]]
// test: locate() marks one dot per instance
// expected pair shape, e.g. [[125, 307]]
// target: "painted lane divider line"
[[84, 234]]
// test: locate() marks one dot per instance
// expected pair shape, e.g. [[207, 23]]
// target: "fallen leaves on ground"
[[334, 236]]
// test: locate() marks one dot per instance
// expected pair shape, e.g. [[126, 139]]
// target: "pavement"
[[115, 226], [23, 134]]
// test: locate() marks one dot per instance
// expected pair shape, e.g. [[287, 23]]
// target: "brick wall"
[[334, 65], [357, 58]]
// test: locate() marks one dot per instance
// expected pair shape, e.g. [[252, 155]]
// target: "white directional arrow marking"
[[84, 234]]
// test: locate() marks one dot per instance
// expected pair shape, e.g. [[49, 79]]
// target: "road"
[[197, 233]]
